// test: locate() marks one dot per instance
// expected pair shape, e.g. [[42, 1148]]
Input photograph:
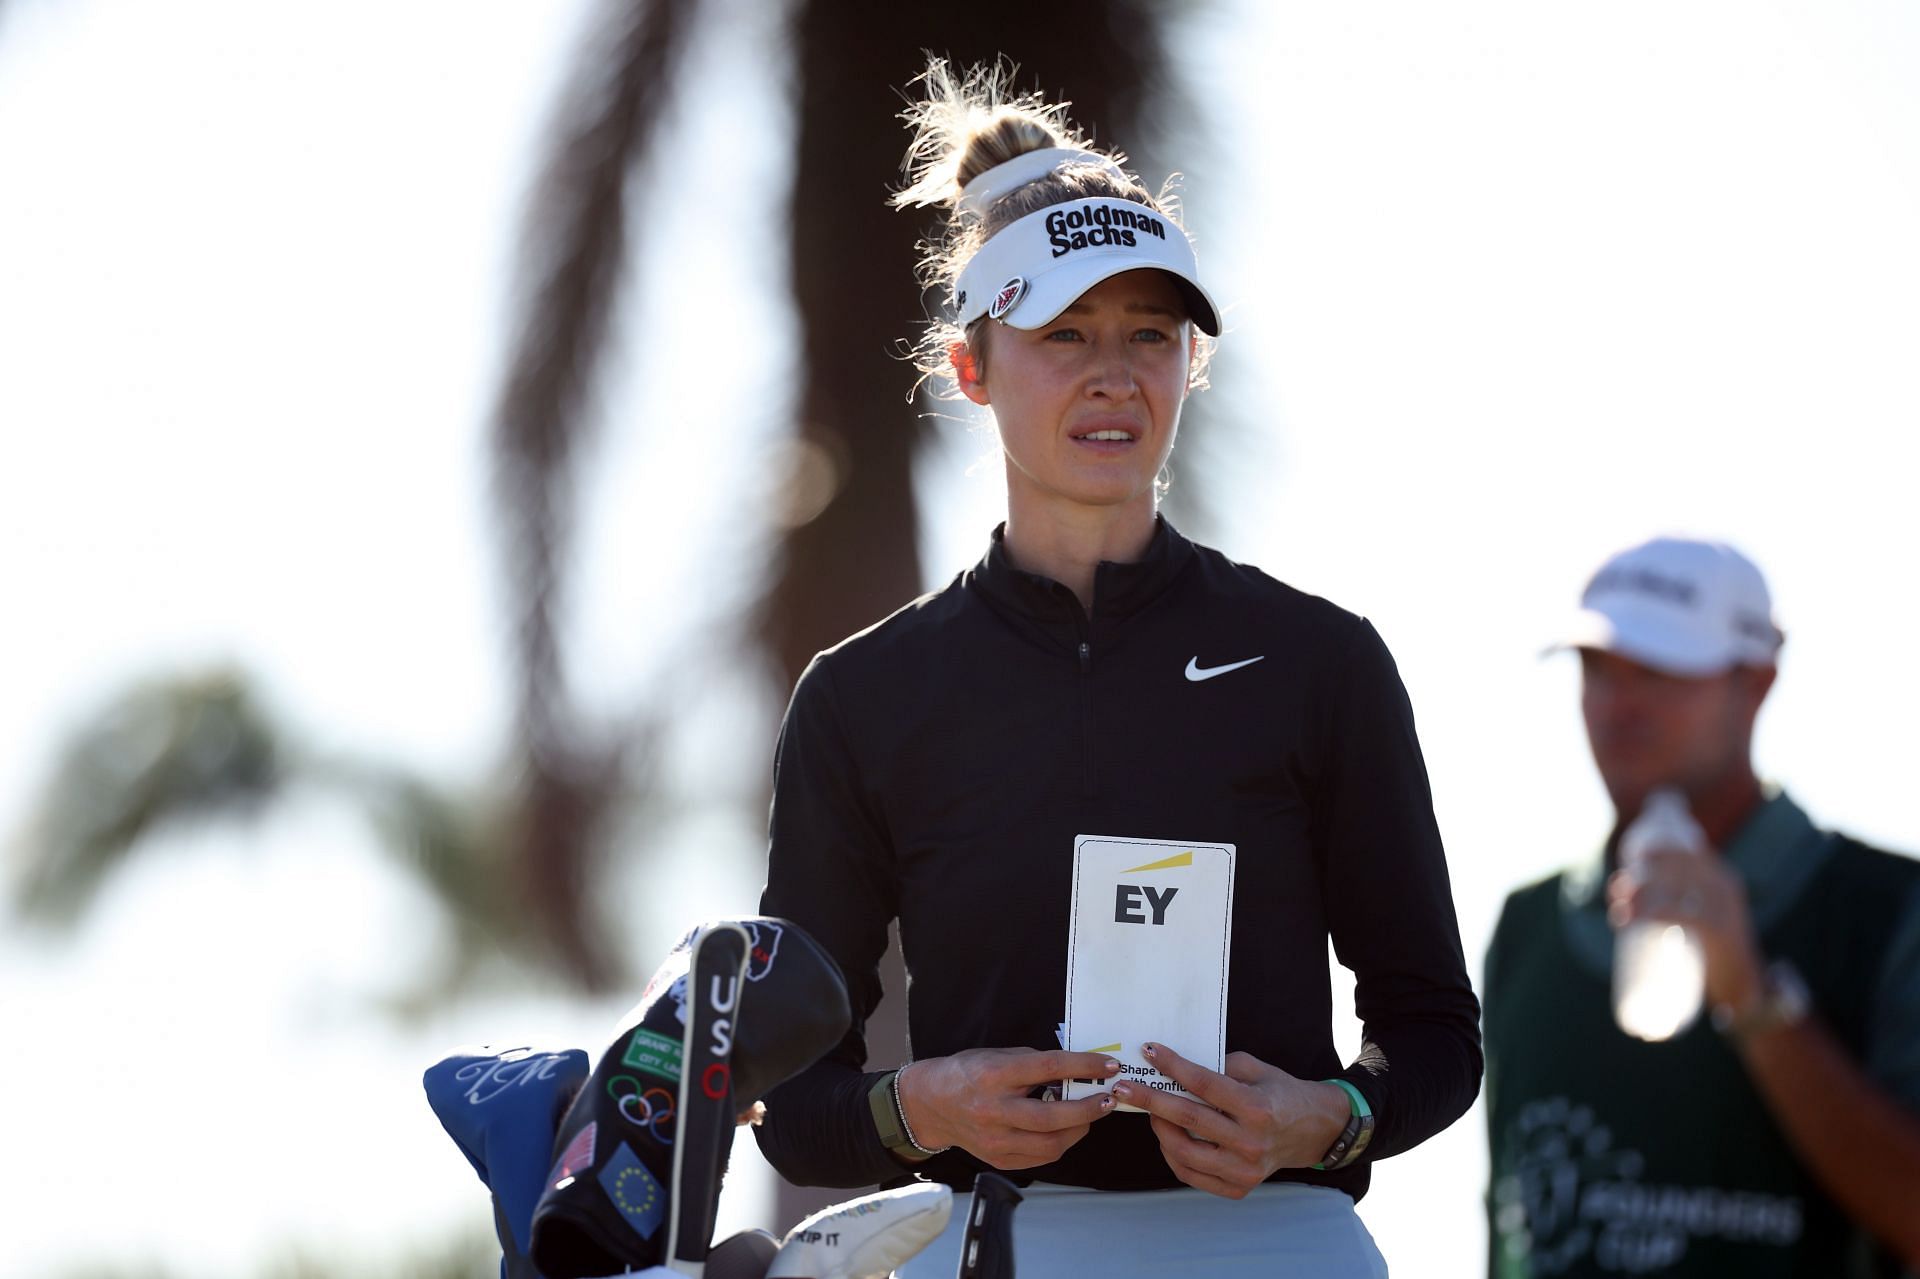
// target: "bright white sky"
[[1510, 285]]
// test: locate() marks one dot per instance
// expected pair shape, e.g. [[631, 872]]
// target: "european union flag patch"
[[634, 1191]]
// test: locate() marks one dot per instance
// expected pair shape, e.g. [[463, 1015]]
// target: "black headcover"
[[737, 1007]]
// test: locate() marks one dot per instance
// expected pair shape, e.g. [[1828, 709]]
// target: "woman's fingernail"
[[1148, 1050], [1121, 1091], [1106, 1102], [1110, 1066]]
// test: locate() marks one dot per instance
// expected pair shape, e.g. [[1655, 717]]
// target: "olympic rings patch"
[[649, 1109]]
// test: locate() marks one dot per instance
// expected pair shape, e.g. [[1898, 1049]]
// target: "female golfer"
[[1098, 682]]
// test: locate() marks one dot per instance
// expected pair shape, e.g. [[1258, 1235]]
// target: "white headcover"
[[865, 1238]]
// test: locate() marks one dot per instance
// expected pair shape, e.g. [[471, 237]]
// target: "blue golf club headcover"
[[501, 1108]]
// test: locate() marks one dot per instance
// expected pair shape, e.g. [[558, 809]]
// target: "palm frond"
[[165, 751], [204, 747]]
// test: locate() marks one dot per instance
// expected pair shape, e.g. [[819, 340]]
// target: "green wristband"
[[890, 1119], [1353, 1138]]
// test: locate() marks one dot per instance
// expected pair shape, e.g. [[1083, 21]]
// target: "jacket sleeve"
[[1390, 906], [829, 869]]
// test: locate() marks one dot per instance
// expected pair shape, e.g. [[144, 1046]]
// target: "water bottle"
[[1659, 971]]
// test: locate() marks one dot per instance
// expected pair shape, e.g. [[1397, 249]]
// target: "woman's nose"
[[1112, 375]]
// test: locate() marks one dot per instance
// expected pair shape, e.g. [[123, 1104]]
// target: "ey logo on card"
[[1145, 903]]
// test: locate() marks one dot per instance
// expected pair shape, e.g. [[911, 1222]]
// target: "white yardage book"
[[1148, 945]]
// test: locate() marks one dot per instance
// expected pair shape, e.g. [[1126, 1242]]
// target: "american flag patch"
[[575, 1159]]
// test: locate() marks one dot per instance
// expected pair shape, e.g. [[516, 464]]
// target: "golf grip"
[[986, 1252]]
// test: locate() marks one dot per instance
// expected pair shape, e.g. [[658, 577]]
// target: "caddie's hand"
[[1257, 1119], [979, 1100], [1702, 892]]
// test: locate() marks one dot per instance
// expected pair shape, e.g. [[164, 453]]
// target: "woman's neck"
[[1069, 546]]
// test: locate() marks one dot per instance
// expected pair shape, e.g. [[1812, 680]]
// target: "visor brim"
[[1050, 294]]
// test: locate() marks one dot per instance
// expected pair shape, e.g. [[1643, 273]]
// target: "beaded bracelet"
[[906, 1129]]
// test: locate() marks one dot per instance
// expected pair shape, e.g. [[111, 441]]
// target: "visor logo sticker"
[[1003, 301]]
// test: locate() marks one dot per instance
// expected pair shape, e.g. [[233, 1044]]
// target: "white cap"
[[1689, 608]]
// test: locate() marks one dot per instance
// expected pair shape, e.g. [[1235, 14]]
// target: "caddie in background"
[[1777, 1133]]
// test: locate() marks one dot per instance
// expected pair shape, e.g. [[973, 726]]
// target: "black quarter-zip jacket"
[[936, 767]]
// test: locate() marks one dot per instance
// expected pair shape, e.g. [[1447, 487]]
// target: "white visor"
[[1032, 270], [1030, 166]]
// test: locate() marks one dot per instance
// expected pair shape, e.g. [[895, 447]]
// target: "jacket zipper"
[[1086, 719]]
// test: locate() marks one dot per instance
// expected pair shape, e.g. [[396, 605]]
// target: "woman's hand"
[[1257, 1119], [980, 1100]]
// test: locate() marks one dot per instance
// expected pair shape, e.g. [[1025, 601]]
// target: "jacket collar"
[[1119, 590]]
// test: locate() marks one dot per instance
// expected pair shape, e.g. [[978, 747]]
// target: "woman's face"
[[1088, 404]]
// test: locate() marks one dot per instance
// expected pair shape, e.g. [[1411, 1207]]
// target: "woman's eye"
[[1064, 335], [1150, 335]]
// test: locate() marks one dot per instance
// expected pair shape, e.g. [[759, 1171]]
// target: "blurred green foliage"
[[206, 746]]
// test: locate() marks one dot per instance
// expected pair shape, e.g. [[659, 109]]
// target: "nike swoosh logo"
[[1196, 672]]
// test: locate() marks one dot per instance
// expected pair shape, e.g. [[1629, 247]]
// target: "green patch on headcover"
[[654, 1053]]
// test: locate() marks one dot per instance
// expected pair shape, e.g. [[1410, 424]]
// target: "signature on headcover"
[[486, 1080]]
